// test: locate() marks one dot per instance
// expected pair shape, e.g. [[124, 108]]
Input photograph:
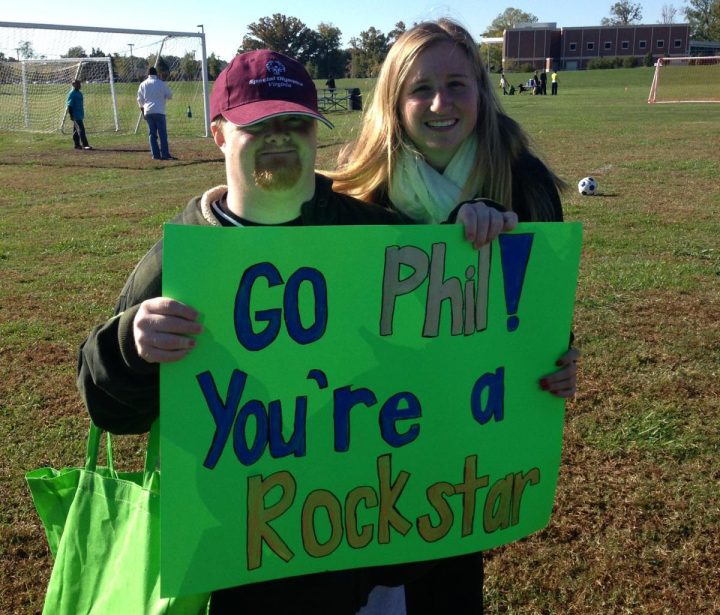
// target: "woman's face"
[[439, 102]]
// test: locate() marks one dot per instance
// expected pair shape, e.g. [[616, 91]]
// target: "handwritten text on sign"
[[368, 398]]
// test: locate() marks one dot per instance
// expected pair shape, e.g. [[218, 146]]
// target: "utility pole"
[[132, 62]]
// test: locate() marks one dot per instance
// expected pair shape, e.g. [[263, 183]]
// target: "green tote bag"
[[103, 527]]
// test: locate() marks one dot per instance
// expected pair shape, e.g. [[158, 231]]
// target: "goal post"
[[686, 80], [110, 63]]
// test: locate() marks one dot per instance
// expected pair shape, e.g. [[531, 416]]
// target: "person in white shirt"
[[151, 96]]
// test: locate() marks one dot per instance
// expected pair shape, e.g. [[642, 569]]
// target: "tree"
[[667, 16], [328, 58], [189, 66], [491, 54], [97, 53], [280, 33], [367, 53], [508, 19], [75, 52], [25, 50], [623, 13], [704, 19], [214, 66], [396, 32]]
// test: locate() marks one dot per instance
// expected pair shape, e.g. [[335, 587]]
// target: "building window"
[[573, 46], [642, 44], [626, 44], [608, 45], [677, 43], [590, 46], [660, 44]]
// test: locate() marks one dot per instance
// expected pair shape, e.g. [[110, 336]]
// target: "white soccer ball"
[[587, 186]]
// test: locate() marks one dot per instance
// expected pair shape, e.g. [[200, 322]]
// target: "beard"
[[277, 174]]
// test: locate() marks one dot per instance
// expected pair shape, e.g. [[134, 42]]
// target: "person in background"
[[543, 83], [554, 83], [503, 83], [76, 110], [435, 136], [152, 95], [268, 137]]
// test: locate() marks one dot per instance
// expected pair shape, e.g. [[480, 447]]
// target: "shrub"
[[629, 62], [599, 63], [525, 67]]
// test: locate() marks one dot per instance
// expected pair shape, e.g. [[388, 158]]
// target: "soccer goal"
[[38, 62], [40, 88], [686, 80]]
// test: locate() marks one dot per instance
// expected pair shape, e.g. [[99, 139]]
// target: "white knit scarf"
[[422, 193]]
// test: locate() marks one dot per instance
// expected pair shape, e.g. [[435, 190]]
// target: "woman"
[[434, 136]]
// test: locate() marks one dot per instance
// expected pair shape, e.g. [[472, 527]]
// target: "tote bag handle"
[[151, 455]]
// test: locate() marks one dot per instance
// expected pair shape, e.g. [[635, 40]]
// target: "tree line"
[[321, 50]]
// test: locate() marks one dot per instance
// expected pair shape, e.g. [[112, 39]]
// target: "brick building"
[[544, 45]]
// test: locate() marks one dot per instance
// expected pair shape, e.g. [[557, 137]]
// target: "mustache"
[[278, 149]]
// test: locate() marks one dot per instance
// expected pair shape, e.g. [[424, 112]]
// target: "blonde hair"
[[366, 165]]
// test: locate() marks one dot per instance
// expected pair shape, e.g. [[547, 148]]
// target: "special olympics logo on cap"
[[275, 67]]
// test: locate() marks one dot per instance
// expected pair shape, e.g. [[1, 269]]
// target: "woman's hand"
[[162, 330], [483, 223], [563, 382]]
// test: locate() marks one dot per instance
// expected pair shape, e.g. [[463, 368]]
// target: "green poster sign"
[[360, 396]]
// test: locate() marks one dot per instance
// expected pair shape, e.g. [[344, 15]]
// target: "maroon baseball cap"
[[258, 85]]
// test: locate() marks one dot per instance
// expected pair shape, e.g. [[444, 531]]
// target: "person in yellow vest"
[[553, 83]]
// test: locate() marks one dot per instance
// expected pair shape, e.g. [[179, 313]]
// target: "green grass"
[[637, 518]]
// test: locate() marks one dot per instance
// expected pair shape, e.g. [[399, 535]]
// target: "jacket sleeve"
[[119, 389]]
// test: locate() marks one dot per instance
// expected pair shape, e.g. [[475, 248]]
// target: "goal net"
[[38, 62], [34, 93], [686, 80]]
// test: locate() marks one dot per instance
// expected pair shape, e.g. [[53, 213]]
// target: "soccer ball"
[[587, 186]]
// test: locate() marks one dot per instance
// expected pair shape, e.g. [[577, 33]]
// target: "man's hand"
[[163, 328], [483, 224]]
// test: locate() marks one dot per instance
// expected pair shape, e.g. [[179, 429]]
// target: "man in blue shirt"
[[76, 111]]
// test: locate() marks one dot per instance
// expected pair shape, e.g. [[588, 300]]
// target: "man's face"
[[274, 155]]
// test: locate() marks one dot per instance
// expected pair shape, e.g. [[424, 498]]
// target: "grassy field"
[[636, 528]]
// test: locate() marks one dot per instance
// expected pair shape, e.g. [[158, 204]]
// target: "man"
[[543, 82], [554, 83], [152, 95], [264, 110], [76, 111]]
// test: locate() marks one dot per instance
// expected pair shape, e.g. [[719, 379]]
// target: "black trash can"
[[355, 99]]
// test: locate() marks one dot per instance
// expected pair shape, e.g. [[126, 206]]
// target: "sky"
[[225, 21]]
